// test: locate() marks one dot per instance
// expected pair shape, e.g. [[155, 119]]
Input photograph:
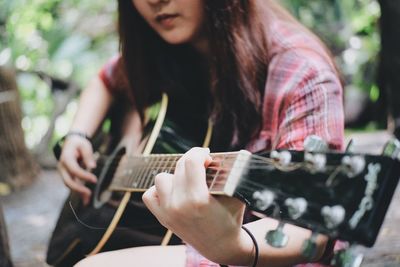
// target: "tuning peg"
[[314, 143], [353, 165], [317, 161], [277, 238], [346, 258], [392, 149], [333, 216], [263, 199], [309, 247], [296, 207], [283, 157]]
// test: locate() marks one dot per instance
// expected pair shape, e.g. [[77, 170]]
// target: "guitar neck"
[[137, 173]]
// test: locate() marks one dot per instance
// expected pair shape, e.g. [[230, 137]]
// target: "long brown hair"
[[236, 31]]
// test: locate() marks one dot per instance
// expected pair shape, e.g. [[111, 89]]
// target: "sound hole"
[[101, 194]]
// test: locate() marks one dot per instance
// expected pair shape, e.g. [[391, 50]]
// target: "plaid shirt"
[[303, 96]]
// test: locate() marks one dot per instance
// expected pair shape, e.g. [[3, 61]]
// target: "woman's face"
[[176, 21]]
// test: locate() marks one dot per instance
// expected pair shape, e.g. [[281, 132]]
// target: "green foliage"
[[350, 29], [66, 39]]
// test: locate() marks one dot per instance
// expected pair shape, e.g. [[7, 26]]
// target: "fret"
[[156, 170], [134, 173], [142, 170], [210, 174], [224, 170], [166, 165], [220, 165], [147, 164], [172, 166], [129, 172], [163, 162]]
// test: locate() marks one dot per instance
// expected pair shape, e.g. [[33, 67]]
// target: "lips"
[[166, 19]]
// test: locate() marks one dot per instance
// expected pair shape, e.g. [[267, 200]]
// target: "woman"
[[262, 78]]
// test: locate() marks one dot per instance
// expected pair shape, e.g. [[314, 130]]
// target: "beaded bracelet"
[[77, 133]]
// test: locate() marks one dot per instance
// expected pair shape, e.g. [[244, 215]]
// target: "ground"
[[31, 213]]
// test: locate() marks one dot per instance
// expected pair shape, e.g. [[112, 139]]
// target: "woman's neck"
[[202, 47]]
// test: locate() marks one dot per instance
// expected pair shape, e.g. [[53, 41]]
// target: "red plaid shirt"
[[303, 96]]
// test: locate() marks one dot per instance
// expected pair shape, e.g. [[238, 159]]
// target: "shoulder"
[[297, 61], [113, 76]]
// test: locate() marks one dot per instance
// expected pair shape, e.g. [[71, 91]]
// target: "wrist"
[[327, 253], [78, 133], [59, 144], [242, 250]]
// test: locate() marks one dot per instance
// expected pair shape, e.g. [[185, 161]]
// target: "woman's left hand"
[[183, 204]]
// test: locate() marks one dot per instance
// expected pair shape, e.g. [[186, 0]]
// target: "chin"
[[177, 38]]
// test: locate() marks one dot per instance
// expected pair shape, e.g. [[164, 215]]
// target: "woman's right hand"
[[75, 163]]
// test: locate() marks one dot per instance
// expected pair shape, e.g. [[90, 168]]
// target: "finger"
[[73, 184], [87, 156], [195, 172], [163, 184], [191, 154], [151, 200], [73, 167]]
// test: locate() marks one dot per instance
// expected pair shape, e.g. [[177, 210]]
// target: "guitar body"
[[73, 239]]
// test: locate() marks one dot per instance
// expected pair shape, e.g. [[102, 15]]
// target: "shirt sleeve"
[[302, 97], [315, 108], [113, 76]]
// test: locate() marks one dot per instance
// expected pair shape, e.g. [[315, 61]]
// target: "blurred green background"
[[70, 40]]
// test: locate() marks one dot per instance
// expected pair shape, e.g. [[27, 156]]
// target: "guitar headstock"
[[342, 195]]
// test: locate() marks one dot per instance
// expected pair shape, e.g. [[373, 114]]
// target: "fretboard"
[[137, 173]]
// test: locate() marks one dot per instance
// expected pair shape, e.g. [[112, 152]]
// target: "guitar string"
[[254, 166], [116, 159], [246, 184], [120, 228], [172, 155], [172, 159], [160, 168], [254, 160]]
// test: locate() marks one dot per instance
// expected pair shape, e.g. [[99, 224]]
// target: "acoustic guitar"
[[342, 195]]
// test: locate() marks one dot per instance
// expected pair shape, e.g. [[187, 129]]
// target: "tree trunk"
[[17, 167], [5, 258]]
